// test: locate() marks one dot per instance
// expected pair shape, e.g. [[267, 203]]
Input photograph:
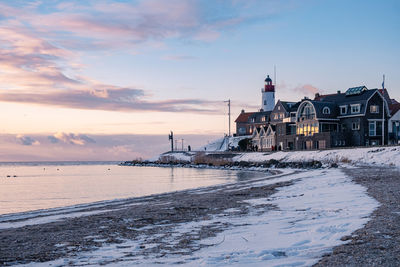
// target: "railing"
[[289, 119]]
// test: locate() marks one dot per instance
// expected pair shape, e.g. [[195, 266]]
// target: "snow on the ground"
[[223, 144], [311, 216], [364, 156]]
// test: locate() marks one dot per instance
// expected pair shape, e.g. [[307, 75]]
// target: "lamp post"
[[171, 137], [229, 115]]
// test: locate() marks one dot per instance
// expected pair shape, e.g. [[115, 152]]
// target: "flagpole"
[[383, 110]]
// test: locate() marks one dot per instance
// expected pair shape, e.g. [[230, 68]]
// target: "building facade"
[[357, 117]]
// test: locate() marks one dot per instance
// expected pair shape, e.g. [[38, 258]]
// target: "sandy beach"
[[231, 220]]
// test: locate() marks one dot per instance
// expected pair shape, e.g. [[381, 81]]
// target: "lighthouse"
[[268, 95]]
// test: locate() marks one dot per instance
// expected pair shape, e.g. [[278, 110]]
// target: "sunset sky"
[[108, 80]]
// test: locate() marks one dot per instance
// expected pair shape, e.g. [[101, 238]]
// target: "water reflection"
[[39, 186]]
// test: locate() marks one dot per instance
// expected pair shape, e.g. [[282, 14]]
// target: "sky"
[[108, 80]]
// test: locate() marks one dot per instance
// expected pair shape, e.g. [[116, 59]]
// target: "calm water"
[[49, 185]]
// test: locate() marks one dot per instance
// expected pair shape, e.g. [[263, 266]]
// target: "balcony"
[[289, 119]]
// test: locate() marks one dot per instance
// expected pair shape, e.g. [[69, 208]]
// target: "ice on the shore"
[[311, 216]]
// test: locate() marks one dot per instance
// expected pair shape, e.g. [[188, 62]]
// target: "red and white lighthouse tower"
[[268, 95]]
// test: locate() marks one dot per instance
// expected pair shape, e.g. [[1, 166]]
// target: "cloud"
[[306, 89], [107, 147], [27, 141], [103, 24], [32, 71], [70, 138], [115, 99], [39, 61]]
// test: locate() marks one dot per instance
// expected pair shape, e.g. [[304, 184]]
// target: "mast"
[[383, 110]]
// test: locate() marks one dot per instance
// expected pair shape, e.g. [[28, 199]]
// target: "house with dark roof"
[[243, 123], [394, 124], [361, 114], [283, 117], [246, 122], [357, 117]]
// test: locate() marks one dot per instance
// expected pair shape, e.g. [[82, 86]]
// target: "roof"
[[294, 107], [394, 108], [287, 105], [342, 98], [319, 107], [258, 115], [356, 90], [244, 116]]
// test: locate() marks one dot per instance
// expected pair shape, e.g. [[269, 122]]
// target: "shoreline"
[[377, 243], [146, 228]]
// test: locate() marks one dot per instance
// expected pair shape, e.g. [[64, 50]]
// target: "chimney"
[[242, 111], [317, 95], [338, 91], [261, 110]]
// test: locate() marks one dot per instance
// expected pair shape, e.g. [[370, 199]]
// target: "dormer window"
[[343, 110], [355, 108], [326, 110]]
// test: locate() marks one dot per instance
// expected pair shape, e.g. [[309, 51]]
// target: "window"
[[307, 112], [374, 109], [355, 108], [343, 110], [263, 119], [279, 107], [355, 126], [265, 102], [372, 129], [326, 110]]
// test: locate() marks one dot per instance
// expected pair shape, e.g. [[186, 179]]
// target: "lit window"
[[374, 109], [355, 108]]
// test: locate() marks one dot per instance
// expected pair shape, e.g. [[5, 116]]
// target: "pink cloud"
[[307, 89], [105, 147]]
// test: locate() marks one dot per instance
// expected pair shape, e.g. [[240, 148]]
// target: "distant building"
[[247, 121], [283, 118], [362, 116], [357, 117]]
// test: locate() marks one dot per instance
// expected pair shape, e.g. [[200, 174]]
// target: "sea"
[[32, 186]]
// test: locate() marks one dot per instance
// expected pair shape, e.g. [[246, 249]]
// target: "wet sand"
[[151, 216]]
